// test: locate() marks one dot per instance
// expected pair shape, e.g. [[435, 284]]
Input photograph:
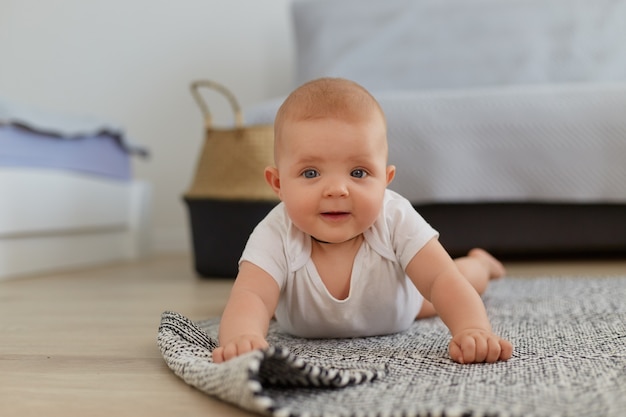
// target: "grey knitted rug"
[[570, 360]]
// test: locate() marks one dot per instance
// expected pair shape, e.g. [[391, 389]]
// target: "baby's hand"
[[238, 346], [475, 345]]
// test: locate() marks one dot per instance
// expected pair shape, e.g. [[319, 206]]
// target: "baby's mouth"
[[335, 215]]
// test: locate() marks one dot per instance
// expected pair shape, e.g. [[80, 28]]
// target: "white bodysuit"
[[382, 299]]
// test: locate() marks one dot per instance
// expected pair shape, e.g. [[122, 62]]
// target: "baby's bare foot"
[[496, 269]]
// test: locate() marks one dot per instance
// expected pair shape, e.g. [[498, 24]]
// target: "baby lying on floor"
[[341, 255]]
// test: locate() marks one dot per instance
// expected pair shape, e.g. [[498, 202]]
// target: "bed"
[[67, 195], [529, 172], [506, 120]]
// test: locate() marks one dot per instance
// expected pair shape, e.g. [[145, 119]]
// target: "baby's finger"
[[494, 350], [455, 352], [233, 350], [218, 355], [229, 351], [468, 346], [481, 351], [506, 350], [259, 344]]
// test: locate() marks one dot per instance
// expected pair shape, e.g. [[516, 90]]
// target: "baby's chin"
[[336, 241]]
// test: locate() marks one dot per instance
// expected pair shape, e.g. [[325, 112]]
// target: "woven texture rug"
[[570, 360]]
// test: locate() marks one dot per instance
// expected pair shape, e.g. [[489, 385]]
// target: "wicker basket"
[[228, 195]]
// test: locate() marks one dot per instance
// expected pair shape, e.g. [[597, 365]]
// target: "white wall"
[[131, 61]]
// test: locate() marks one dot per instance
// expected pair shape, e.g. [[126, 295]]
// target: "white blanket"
[[449, 44]]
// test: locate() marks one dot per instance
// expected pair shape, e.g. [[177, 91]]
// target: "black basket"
[[220, 230]]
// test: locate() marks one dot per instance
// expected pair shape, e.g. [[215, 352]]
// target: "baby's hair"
[[327, 97]]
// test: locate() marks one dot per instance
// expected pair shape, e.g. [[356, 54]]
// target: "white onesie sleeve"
[[268, 249], [402, 232]]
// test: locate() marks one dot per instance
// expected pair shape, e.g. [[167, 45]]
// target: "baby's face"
[[333, 174]]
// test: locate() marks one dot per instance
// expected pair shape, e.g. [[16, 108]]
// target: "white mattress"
[[543, 143], [52, 219], [42, 201]]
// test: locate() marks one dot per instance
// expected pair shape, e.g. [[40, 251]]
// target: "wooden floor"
[[84, 343]]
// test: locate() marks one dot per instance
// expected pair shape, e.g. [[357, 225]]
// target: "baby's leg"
[[479, 267]]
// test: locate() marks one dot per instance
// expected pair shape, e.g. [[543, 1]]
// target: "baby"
[[341, 255]]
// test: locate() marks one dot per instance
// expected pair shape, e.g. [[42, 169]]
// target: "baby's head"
[[330, 152], [327, 98]]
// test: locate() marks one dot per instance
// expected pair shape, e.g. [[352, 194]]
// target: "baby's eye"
[[310, 173], [359, 173]]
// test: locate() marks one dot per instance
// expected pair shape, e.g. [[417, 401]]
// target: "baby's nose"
[[336, 188]]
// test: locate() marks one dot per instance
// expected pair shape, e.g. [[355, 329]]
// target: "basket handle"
[[208, 119]]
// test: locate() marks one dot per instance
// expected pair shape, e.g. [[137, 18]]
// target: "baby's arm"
[[247, 315], [458, 304]]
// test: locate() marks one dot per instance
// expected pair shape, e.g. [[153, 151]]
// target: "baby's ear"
[[273, 179], [391, 173]]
